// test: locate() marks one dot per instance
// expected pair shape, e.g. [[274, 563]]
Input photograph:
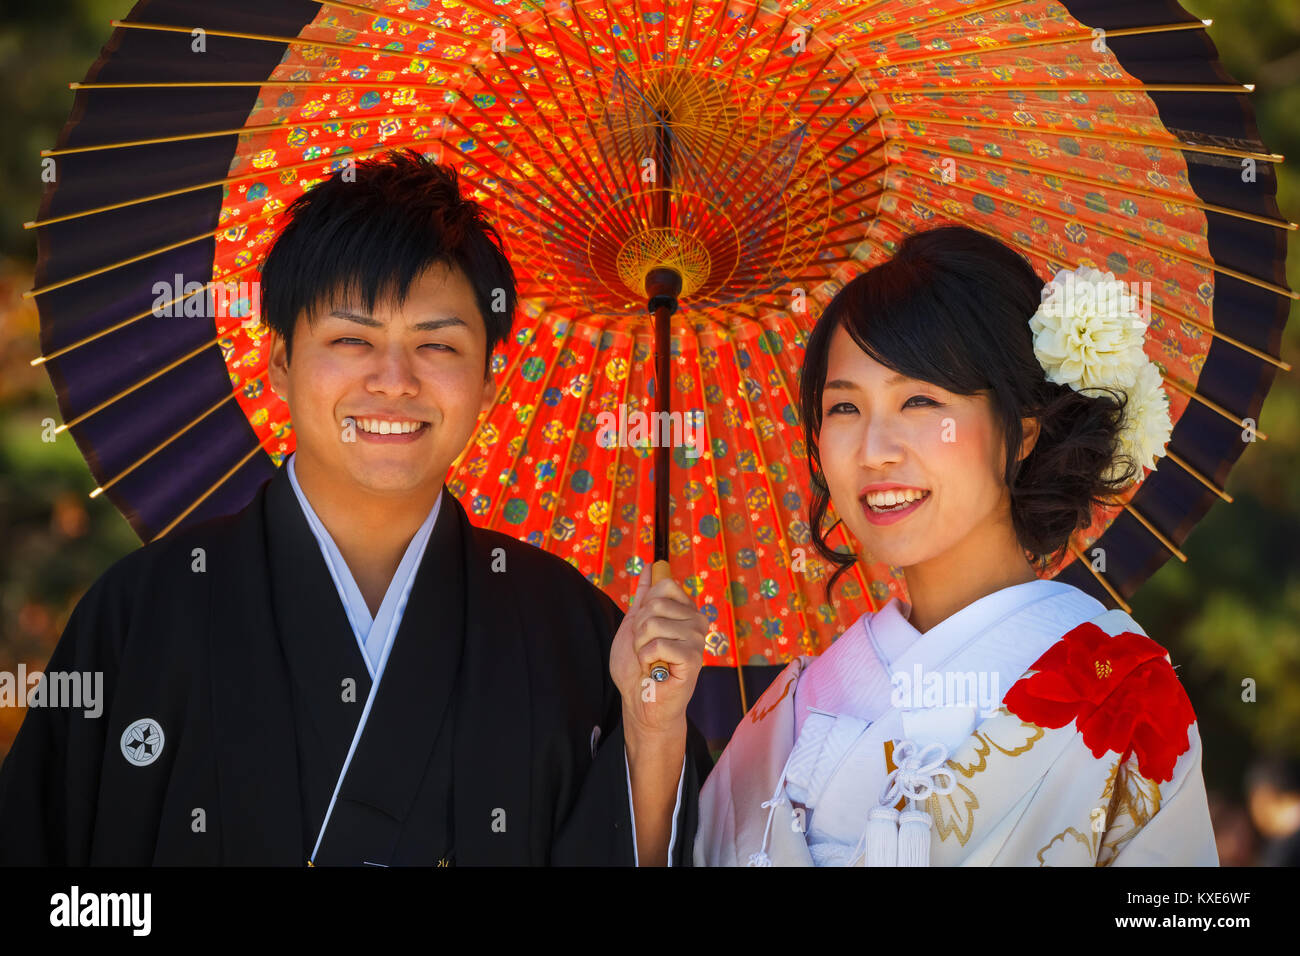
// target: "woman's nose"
[[880, 444]]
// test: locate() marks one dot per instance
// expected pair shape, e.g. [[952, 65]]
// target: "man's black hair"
[[372, 234]]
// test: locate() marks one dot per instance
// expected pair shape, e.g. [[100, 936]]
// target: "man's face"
[[383, 403]]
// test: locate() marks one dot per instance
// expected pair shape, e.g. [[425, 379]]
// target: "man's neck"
[[372, 532]]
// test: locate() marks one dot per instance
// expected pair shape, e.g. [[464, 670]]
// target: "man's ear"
[[277, 364], [1030, 428], [489, 393]]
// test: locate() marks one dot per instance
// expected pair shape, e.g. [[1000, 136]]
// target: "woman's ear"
[[1030, 428]]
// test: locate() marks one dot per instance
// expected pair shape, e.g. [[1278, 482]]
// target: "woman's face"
[[913, 470]]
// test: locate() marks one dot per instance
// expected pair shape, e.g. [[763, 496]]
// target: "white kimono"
[[900, 749]]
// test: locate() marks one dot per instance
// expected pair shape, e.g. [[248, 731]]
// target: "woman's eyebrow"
[[844, 384]]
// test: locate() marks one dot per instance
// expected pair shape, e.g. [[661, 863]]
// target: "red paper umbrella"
[[758, 155]]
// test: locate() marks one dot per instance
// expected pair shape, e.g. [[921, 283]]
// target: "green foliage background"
[[1232, 613]]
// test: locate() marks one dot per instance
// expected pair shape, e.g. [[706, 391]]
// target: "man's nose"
[[393, 372]]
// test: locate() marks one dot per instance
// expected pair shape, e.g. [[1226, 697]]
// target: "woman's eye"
[[925, 401], [845, 406]]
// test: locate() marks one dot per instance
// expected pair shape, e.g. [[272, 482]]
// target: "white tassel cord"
[[903, 839], [778, 797]]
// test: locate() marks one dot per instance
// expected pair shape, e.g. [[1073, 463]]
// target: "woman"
[[963, 419]]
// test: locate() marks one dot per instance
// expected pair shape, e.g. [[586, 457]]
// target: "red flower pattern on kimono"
[[1121, 691]]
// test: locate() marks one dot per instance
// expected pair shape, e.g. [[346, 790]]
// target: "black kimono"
[[495, 736]]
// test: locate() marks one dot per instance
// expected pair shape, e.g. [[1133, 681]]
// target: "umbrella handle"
[[659, 670]]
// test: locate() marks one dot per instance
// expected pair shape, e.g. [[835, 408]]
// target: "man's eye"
[[438, 346], [348, 340], [925, 399]]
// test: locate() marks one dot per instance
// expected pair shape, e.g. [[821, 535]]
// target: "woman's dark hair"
[[372, 230], [952, 307]]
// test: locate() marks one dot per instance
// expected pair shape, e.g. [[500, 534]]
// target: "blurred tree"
[[1232, 613]]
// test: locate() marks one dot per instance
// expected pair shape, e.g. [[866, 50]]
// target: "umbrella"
[[719, 168]]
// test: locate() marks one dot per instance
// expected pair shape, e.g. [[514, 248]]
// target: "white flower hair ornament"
[[1089, 334]]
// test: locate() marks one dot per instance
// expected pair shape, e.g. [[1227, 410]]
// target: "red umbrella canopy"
[[768, 153]]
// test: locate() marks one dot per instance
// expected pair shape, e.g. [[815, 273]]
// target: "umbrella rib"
[[532, 132], [857, 566], [323, 161], [789, 397], [618, 146], [590, 160], [714, 37], [1159, 537], [1170, 145], [532, 420], [1212, 406], [297, 41], [505, 384], [1101, 580], [612, 10], [917, 24], [234, 131], [101, 488], [807, 199], [722, 529], [847, 204], [516, 190], [991, 88], [63, 350], [1169, 453], [772, 498], [1092, 181], [586, 115], [1115, 234], [749, 206], [573, 438], [618, 456], [32, 293], [644, 196], [712, 174], [1171, 312], [471, 177], [217, 484], [1057, 40], [140, 383], [731, 82]]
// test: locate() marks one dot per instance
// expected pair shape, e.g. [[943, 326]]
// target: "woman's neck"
[[987, 560]]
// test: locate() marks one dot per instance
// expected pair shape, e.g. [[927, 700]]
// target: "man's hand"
[[663, 624]]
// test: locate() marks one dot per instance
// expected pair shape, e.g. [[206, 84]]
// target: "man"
[[347, 671]]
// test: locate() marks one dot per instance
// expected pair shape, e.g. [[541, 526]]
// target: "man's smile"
[[389, 430]]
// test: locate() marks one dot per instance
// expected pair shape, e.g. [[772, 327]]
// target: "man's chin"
[[395, 483]]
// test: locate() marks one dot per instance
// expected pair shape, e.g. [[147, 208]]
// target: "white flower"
[[1088, 331], [1147, 426]]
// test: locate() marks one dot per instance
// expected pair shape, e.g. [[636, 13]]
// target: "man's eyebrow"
[[429, 325], [432, 325], [358, 317]]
